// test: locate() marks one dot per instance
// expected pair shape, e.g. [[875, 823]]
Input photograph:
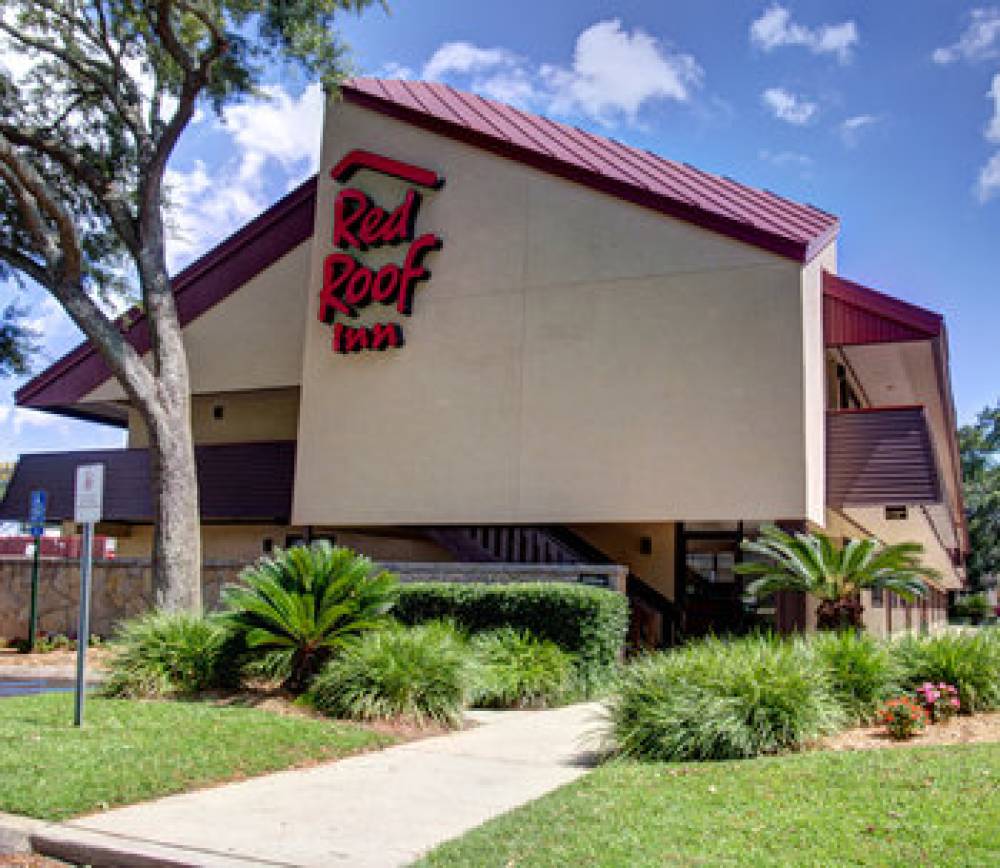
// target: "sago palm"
[[305, 602], [835, 574]]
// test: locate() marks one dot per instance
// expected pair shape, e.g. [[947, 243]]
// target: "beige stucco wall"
[[250, 340], [871, 521], [270, 414], [245, 542], [814, 380], [573, 359], [621, 542]]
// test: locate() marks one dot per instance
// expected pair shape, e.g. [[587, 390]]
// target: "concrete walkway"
[[379, 809]]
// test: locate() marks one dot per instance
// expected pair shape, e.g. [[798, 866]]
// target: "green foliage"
[[968, 659], [973, 606], [812, 563], [517, 670], [863, 673], [587, 623], [301, 604], [979, 444], [416, 675], [18, 342], [168, 654], [723, 699]]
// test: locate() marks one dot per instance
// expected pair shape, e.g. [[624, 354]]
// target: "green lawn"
[[131, 750], [913, 806]]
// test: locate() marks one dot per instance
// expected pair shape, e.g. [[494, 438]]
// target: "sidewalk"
[[379, 809]]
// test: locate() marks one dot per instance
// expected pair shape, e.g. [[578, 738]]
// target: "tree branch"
[[82, 171], [71, 264]]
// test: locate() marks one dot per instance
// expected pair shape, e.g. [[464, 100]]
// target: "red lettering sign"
[[348, 284]]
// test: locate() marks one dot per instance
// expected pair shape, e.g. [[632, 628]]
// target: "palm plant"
[[835, 574], [301, 604]]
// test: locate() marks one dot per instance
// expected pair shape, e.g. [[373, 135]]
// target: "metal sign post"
[[88, 500], [36, 518]]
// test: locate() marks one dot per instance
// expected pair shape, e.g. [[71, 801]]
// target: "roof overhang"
[[898, 354], [714, 202]]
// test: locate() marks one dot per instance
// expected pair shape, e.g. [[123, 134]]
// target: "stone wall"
[[123, 587]]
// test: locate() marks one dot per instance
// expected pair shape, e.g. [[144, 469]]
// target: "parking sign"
[[89, 497], [36, 513]]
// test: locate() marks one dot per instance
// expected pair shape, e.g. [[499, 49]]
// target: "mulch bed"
[[958, 730]]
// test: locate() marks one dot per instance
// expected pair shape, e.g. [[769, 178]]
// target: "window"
[[877, 598]]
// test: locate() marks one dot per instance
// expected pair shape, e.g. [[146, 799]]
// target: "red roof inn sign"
[[360, 225]]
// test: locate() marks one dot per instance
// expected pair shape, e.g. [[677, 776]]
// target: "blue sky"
[[886, 114]]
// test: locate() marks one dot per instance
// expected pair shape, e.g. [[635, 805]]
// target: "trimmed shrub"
[[968, 659], [411, 674], [863, 673], [515, 669], [587, 623], [723, 699], [298, 606], [171, 653]]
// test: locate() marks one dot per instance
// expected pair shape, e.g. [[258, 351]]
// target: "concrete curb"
[[102, 850], [16, 832]]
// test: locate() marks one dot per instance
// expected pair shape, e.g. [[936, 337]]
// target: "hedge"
[[589, 623]]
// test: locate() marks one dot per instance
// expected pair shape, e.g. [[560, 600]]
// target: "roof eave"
[[798, 251]]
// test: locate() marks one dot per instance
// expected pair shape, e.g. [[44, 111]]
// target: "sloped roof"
[[856, 314], [714, 202]]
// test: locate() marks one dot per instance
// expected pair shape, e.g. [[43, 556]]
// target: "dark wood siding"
[[237, 482], [880, 456]]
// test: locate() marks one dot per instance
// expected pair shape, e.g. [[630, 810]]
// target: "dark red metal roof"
[[856, 314], [204, 283], [713, 202], [236, 482], [880, 456]]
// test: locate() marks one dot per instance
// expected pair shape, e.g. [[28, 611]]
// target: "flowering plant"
[[903, 717], [940, 701]]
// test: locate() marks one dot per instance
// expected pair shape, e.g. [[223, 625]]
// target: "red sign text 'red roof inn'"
[[619, 359]]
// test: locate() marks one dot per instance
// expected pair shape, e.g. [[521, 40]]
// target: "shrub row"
[[587, 623], [735, 698]]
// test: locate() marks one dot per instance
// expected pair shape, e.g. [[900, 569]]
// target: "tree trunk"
[[177, 531], [844, 614]]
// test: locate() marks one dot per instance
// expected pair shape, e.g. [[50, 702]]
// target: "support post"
[[83, 630], [33, 610]]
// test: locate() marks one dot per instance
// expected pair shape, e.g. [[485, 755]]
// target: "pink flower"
[[956, 704]]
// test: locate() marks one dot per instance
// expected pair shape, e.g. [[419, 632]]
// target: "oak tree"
[[94, 97]]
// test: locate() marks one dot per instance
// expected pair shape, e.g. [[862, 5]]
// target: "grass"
[[131, 750], [909, 806]]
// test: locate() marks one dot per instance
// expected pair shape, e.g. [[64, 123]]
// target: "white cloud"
[[992, 131], [465, 58], [988, 182], [979, 41], [788, 107], [775, 29], [208, 203], [614, 73], [19, 418], [792, 159], [395, 70], [852, 128]]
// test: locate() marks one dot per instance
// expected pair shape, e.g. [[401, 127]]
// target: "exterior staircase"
[[654, 619]]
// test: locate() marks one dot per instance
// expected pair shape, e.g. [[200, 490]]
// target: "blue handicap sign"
[[36, 513]]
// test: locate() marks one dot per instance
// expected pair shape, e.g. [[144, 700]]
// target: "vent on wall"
[[896, 513]]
